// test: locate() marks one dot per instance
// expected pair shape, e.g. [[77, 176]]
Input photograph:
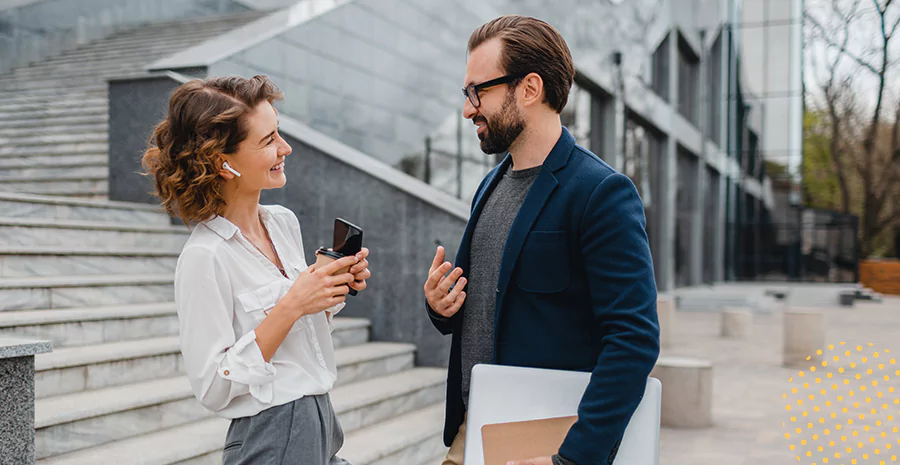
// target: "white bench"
[[737, 322], [686, 391], [804, 334], [665, 311]]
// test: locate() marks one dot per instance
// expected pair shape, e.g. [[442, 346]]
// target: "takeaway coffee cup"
[[325, 256]]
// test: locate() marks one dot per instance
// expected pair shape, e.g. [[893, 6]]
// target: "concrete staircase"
[[54, 113], [95, 277], [113, 389]]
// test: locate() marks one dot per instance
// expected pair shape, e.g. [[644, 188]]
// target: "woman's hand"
[[360, 271], [316, 290]]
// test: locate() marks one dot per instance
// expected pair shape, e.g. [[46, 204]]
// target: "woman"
[[254, 319]]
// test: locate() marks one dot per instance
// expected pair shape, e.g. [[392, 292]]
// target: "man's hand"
[[534, 461], [437, 288]]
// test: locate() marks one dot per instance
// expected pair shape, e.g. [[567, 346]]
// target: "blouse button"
[[226, 373]]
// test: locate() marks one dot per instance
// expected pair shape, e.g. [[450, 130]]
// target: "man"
[[555, 259]]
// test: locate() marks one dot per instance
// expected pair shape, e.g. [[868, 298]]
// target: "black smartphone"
[[347, 237], [347, 240]]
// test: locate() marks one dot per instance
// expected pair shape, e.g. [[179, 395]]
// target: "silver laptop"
[[501, 394]]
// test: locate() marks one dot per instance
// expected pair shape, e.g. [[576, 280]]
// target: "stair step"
[[83, 326], [72, 291], [157, 30], [71, 327], [76, 421], [144, 37], [64, 260], [182, 443], [10, 85], [36, 206], [71, 102], [78, 120], [150, 31], [98, 74], [47, 161], [366, 403], [76, 369], [123, 51], [55, 91], [39, 232], [48, 98], [93, 418], [371, 360], [87, 188], [51, 113], [410, 438], [92, 148], [54, 172], [55, 129], [53, 139]]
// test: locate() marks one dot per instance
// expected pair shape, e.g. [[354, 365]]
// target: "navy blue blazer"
[[575, 292]]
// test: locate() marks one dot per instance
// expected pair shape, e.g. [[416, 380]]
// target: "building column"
[[614, 125], [700, 187], [668, 202], [723, 127]]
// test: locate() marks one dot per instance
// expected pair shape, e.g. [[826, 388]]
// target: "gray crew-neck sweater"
[[488, 242]]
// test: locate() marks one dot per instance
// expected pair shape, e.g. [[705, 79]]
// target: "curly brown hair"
[[206, 119]]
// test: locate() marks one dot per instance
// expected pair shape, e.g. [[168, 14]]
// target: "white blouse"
[[224, 287]]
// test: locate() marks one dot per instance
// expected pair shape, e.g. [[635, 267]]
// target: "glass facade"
[[388, 85]]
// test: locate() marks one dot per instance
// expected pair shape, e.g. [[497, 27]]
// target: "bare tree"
[[864, 137]]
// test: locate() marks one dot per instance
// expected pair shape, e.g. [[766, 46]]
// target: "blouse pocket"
[[258, 302]]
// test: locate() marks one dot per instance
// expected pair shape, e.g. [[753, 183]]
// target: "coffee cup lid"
[[329, 253]]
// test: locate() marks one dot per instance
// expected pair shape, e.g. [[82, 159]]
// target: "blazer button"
[[497, 290]]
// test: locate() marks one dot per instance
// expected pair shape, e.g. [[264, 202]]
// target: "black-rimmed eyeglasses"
[[471, 91]]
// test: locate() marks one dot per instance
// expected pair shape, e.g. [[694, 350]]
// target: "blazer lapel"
[[540, 192], [465, 246], [531, 208]]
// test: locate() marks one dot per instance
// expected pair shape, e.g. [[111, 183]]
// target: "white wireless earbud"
[[229, 168]]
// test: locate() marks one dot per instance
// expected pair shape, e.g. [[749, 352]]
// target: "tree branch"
[[887, 175], [884, 224], [872, 132], [824, 35]]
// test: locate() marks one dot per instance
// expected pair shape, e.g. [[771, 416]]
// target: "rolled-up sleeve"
[[331, 312], [219, 367]]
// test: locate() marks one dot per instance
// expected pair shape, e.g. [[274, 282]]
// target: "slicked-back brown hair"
[[532, 46], [206, 118]]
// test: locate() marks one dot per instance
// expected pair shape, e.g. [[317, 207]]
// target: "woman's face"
[[260, 157]]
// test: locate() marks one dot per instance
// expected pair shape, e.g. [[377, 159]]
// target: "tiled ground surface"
[[749, 384]]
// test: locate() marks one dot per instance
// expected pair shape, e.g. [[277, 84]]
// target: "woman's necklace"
[[277, 263]]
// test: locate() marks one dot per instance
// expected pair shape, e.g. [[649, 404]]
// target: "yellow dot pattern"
[[866, 430]]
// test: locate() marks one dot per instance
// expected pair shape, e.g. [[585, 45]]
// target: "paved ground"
[[750, 383]]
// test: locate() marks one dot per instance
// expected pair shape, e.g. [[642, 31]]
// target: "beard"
[[502, 129]]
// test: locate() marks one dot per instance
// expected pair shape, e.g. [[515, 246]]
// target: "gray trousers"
[[303, 432]]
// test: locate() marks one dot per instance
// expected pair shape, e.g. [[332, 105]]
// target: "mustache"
[[479, 119]]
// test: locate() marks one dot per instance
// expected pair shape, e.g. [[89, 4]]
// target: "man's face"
[[498, 118]]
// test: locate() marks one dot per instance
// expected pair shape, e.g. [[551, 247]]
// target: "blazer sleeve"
[[623, 296]]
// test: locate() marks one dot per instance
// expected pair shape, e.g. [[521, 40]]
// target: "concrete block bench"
[[665, 310], [804, 334], [686, 391], [737, 322]]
